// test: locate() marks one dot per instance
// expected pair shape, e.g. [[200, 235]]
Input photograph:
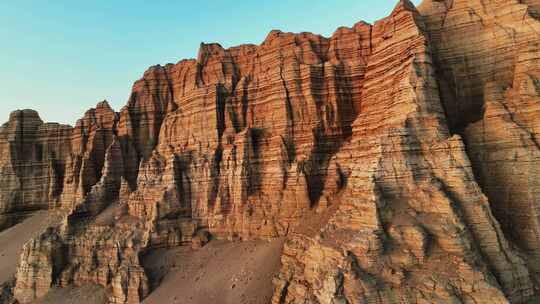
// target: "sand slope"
[[13, 239], [89, 294], [221, 272]]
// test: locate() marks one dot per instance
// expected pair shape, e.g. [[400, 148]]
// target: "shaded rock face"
[[492, 100], [399, 159], [32, 164]]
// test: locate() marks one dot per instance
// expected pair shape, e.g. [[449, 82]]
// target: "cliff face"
[[400, 160], [500, 92], [32, 162]]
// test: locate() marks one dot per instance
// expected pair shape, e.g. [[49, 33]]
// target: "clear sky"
[[62, 57]]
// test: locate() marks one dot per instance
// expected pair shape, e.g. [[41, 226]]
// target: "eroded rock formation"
[[399, 159]]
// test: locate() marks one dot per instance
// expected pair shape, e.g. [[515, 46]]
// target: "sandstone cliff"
[[400, 160]]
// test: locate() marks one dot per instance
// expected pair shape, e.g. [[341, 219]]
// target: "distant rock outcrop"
[[400, 160]]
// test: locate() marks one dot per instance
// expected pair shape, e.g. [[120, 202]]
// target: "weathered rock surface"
[[399, 159], [32, 162], [489, 83]]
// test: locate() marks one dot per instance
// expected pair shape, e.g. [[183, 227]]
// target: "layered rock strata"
[[400, 160]]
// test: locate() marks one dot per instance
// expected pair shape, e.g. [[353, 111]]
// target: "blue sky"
[[62, 57]]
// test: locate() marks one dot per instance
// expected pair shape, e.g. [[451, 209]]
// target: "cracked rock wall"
[[399, 159]]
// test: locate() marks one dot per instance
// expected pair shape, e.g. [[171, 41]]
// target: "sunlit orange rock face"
[[400, 160]]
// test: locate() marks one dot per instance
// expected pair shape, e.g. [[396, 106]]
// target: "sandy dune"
[[221, 272]]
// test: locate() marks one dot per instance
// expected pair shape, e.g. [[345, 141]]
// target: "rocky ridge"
[[399, 159]]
